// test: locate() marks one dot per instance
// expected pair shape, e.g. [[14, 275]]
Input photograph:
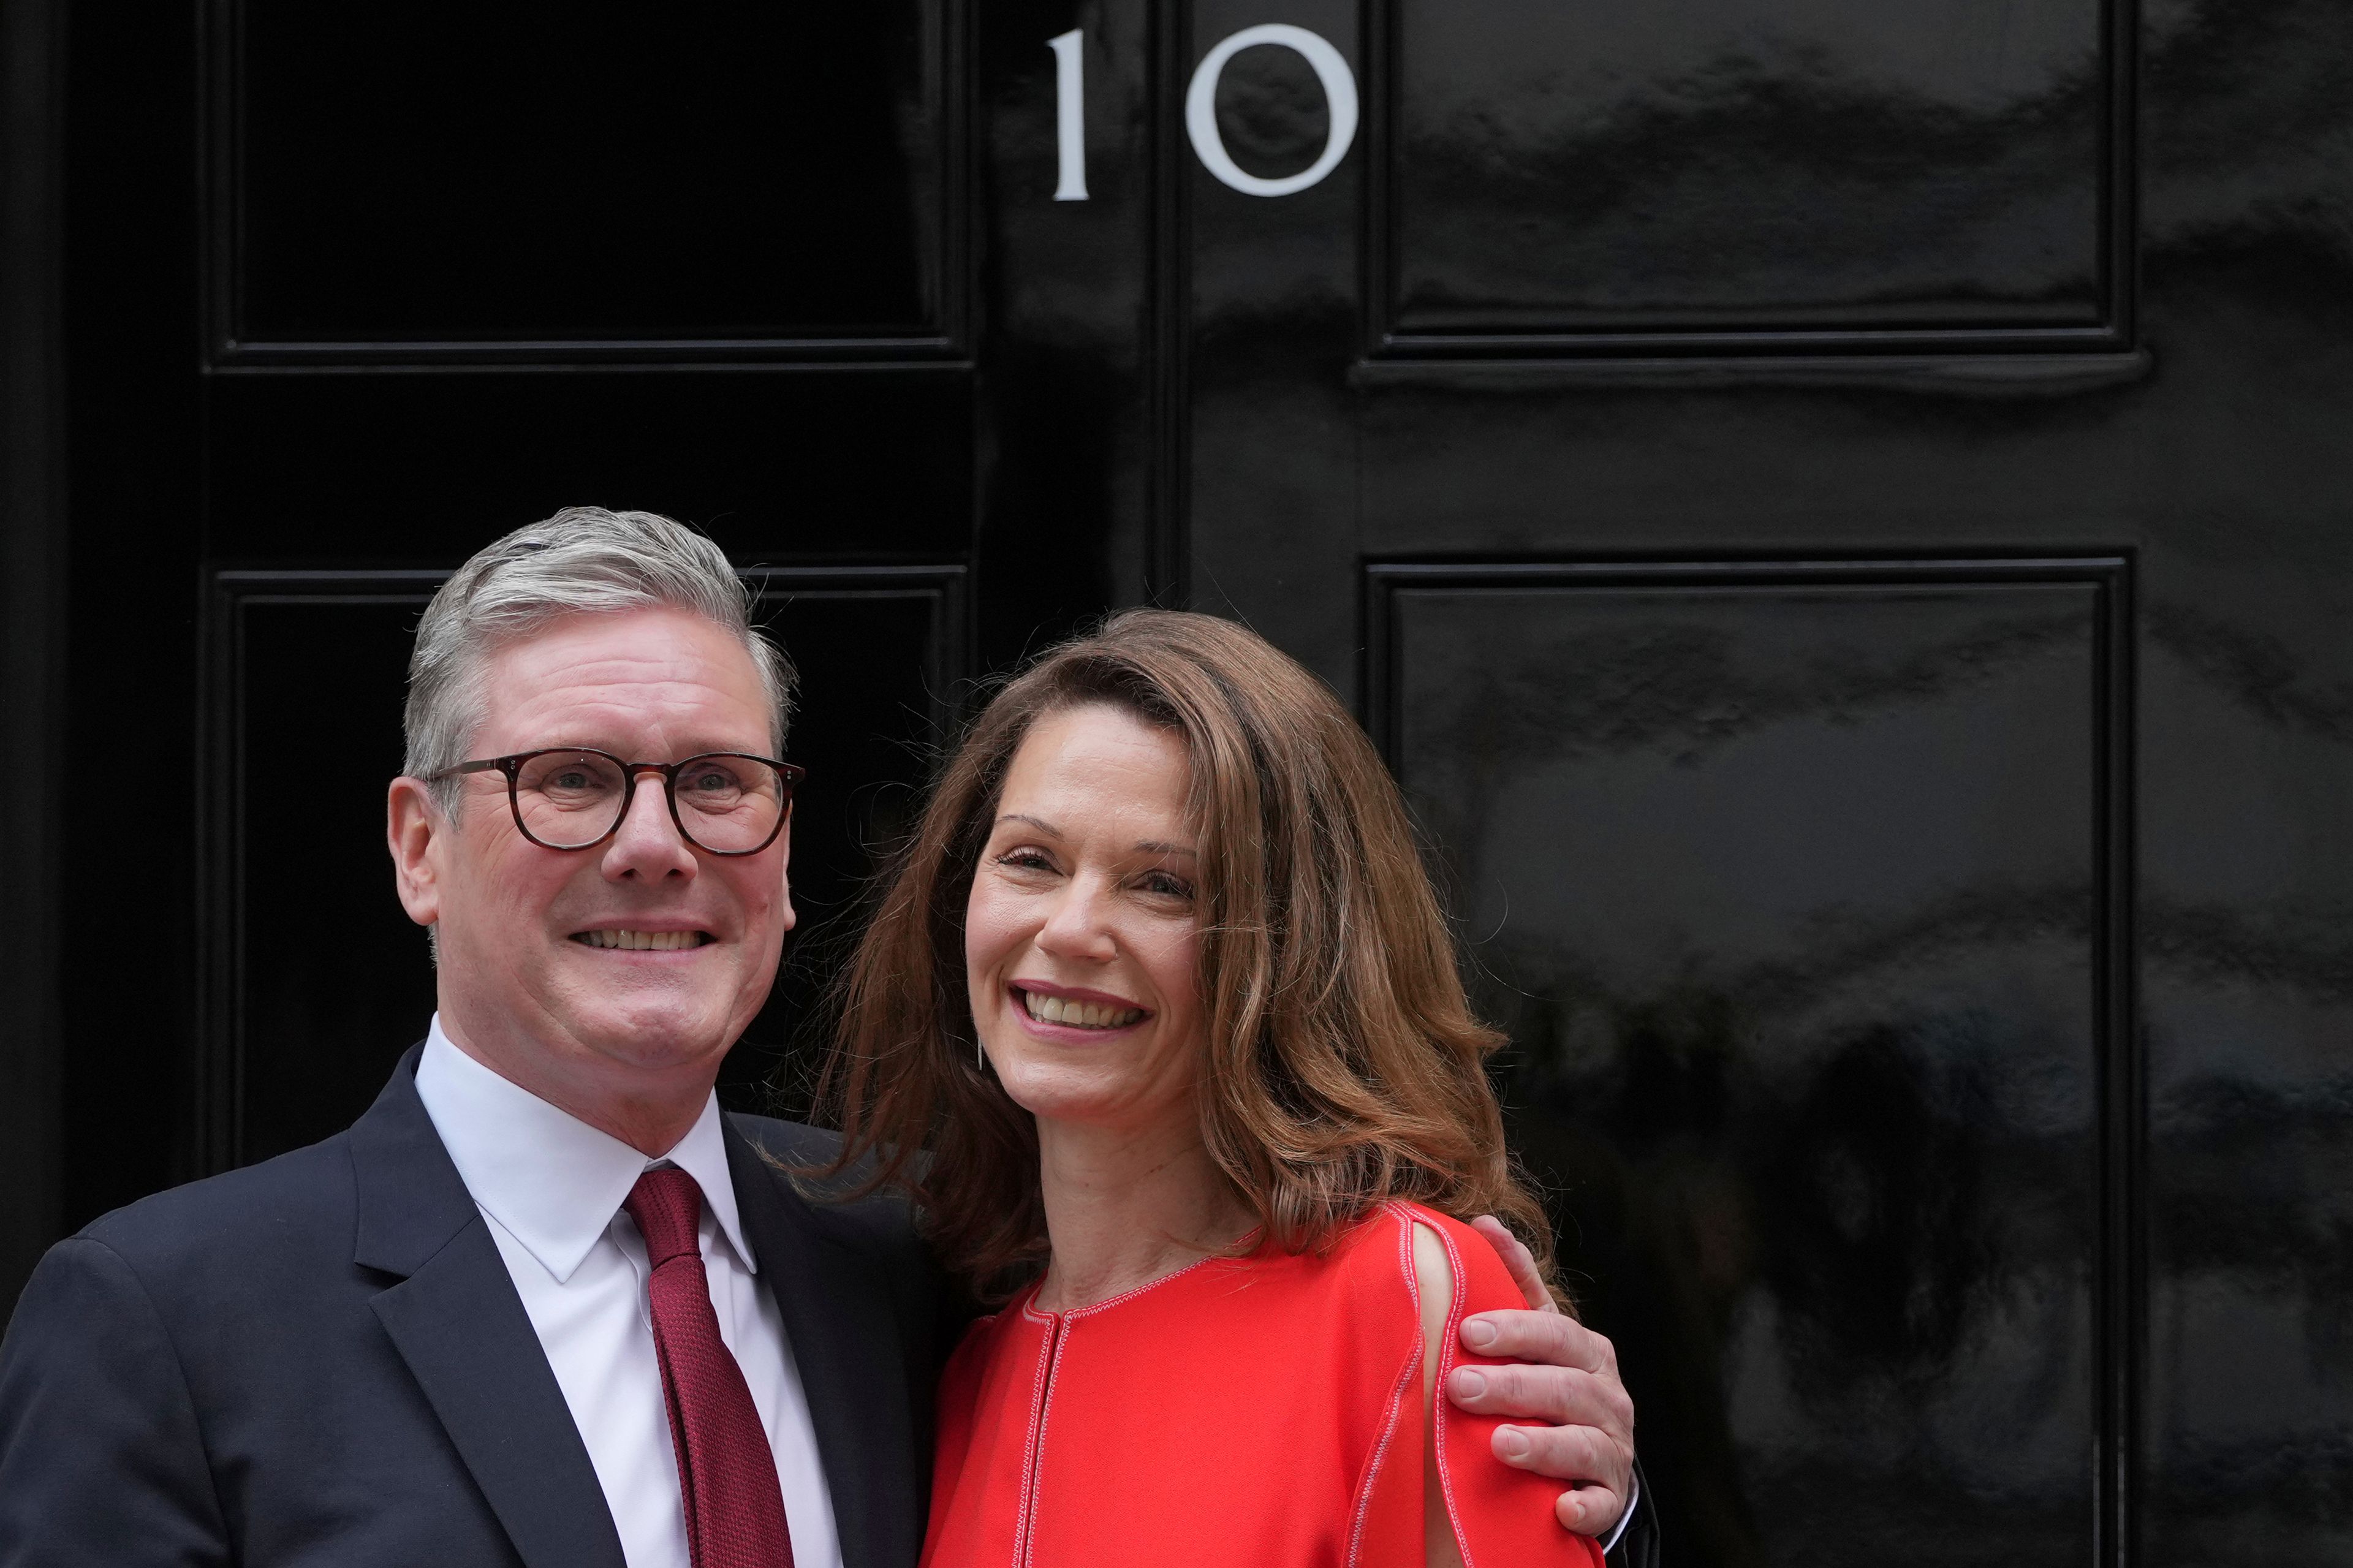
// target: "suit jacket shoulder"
[[325, 1353], [246, 1367], [236, 1235]]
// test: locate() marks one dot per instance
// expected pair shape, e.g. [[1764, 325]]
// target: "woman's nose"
[[1078, 927]]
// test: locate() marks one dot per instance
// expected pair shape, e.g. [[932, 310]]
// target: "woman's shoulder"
[[1380, 1249], [1446, 1269]]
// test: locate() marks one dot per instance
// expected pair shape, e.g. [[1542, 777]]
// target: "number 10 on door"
[[1331, 69]]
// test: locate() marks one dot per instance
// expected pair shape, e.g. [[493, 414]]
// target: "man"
[[542, 1302]]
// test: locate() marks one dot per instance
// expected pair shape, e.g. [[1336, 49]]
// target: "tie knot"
[[668, 1208]]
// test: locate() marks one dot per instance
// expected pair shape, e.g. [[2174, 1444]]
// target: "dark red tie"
[[735, 1508]]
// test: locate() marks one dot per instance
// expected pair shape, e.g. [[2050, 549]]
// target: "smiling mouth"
[[1074, 1014], [643, 940]]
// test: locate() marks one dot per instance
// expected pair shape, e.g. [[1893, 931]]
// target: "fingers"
[[1559, 1372], [1548, 1339], [1518, 1259], [1600, 1473], [1554, 1396], [1589, 1510]]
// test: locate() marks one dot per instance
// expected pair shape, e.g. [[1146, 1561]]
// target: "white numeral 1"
[[1070, 116]]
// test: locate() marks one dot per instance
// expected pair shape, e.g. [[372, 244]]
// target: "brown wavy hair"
[[1345, 1066]]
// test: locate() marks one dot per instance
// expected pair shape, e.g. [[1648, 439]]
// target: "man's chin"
[[654, 1035]]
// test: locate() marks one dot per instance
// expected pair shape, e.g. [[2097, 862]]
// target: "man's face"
[[520, 983]]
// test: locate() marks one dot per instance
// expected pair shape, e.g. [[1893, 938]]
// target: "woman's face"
[[1081, 935]]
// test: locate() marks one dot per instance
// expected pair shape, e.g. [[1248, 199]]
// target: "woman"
[[1161, 984]]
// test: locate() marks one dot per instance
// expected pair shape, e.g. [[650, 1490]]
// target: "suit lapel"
[[457, 1321], [838, 1318]]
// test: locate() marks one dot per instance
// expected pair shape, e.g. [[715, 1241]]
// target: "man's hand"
[[1567, 1377]]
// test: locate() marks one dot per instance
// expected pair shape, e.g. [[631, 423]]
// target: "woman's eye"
[[1026, 860], [1168, 884]]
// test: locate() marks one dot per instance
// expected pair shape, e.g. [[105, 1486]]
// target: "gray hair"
[[584, 559]]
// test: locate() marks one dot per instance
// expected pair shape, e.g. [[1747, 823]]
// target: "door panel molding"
[[1396, 591], [1168, 259], [938, 333], [1579, 342], [34, 533], [216, 1131]]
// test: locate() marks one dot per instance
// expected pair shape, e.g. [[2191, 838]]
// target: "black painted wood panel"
[[1793, 885], [33, 519], [424, 468], [444, 182], [1699, 176]]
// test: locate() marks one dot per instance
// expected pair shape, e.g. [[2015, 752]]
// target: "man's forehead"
[[625, 665], [622, 646]]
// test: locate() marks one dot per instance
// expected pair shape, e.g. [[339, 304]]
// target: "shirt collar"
[[554, 1182]]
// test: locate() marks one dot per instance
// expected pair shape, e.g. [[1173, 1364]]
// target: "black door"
[[439, 271], [1839, 513]]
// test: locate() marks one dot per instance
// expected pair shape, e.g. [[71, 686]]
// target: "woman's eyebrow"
[[1043, 826], [1147, 846]]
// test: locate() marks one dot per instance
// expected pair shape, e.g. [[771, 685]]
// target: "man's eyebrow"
[[706, 747]]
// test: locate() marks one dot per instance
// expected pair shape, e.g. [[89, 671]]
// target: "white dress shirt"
[[550, 1187]]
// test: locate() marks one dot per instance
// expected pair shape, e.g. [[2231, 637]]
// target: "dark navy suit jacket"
[[321, 1360]]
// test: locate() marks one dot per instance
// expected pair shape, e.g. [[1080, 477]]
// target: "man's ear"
[[784, 867], [414, 830]]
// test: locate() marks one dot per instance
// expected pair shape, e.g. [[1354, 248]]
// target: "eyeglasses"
[[568, 797]]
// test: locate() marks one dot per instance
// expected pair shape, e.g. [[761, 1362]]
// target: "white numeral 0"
[[1339, 96]]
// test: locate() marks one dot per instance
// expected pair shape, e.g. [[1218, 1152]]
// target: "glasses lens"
[[729, 804], [569, 799]]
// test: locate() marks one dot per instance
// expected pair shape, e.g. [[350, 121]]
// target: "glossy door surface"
[[1836, 515], [1792, 887]]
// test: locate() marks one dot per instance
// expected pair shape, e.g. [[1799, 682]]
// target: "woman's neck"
[[1126, 1207]]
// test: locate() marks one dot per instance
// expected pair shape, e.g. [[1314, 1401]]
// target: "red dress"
[[1264, 1411]]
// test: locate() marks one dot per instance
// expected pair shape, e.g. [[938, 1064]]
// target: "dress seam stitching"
[[1125, 1295], [1040, 1399], [1438, 1404], [1397, 1390]]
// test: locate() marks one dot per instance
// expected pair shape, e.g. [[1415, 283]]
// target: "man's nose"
[[647, 844]]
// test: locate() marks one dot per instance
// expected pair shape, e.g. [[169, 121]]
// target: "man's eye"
[[570, 779]]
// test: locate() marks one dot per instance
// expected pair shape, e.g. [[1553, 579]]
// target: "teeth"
[[1081, 1015], [643, 940]]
